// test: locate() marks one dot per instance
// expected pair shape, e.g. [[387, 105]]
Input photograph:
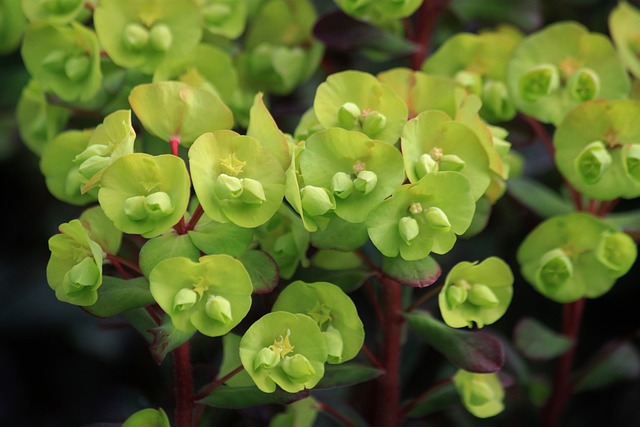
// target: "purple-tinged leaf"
[[440, 396], [417, 274], [347, 374], [537, 342], [472, 351], [262, 269], [165, 339], [616, 362], [243, 397]]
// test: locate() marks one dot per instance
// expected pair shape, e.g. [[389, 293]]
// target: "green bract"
[[211, 296], [53, 11], [175, 111], [424, 217], [144, 194], [598, 149], [101, 229], [476, 294], [481, 394], [61, 173], [354, 100], [333, 311], [64, 59], [561, 66], [432, 142], [285, 349], [624, 24], [358, 172], [379, 11], [148, 418], [225, 18], [574, 256], [13, 25], [74, 270], [235, 178], [142, 34]]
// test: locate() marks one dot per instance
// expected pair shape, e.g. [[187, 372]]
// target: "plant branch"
[[183, 385], [218, 382], [435, 290], [426, 17], [372, 357], [118, 260], [336, 414], [193, 221]]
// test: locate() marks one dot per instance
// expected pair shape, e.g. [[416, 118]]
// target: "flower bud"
[[335, 344], [77, 67], [617, 251], [252, 192], [408, 228], [159, 204], [426, 165], [316, 200], [539, 82], [365, 181], [135, 36], [342, 185], [555, 269], [228, 187], [451, 162], [480, 392], [374, 123], [85, 274], [349, 115], [135, 208], [160, 37], [482, 296], [631, 161], [584, 85], [469, 80], [437, 219], [592, 162], [457, 293], [184, 299], [298, 368], [266, 359], [219, 308]]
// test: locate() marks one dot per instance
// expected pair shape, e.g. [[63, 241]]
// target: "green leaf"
[[166, 338], [340, 235], [418, 274], [437, 398], [231, 360], [164, 247], [263, 127], [471, 351], [628, 221], [538, 342], [262, 269], [615, 363], [118, 295], [213, 237], [538, 198], [243, 397], [347, 374]]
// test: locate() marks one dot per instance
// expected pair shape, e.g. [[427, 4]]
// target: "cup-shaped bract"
[[211, 296], [236, 179], [432, 142], [439, 207], [226, 18], [64, 59], [596, 146], [476, 293], [174, 110], [13, 25], [62, 176], [142, 34], [358, 171], [378, 12], [481, 394], [354, 100], [74, 270], [540, 74], [286, 349], [334, 312], [101, 229], [624, 24], [54, 11], [144, 194], [573, 256], [148, 418]]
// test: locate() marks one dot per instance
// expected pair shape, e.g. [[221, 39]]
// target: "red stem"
[[118, 260], [183, 386], [372, 358], [426, 17], [218, 382], [571, 320], [336, 414], [197, 214], [175, 143], [388, 396]]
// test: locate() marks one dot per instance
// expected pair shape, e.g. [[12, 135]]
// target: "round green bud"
[[298, 368], [470, 80], [555, 269], [266, 359], [482, 296], [335, 344], [365, 181], [426, 164], [228, 187], [160, 37], [592, 162], [85, 274], [135, 36], [252, 192], [631, 161], [93, 165], [184, 299], [159, 204], [457, 293], [408, 228], [77, 67], [349, 115], [437, 219], [373, 123], [617, 251], [316, 200], [341, 184], [216, 13], [539, 82], [219, 308], [584, 85], [136, 208], [451, 162]]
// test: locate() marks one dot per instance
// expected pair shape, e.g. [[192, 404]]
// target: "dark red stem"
[[413, 403], [336, 414], [175, 143], [571, 321], [218, 382], [118, 260], [426, 17], [183, 385], [197, 214], [372, 358]]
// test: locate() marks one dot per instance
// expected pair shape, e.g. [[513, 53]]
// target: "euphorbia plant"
[[327, 251]]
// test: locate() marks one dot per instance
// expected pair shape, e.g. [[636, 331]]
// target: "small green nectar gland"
[[298, 368], [592, 162], [77, 67], [539, 81], [135, 36], [219, 308], [437, 219], [342, 184], [84, 274], [457, 293], [470, 80], [316, 200], [631, 159], [408, 229], [584, 85], [184, 300], [160, 37], [555, 269], [480, 392], [216, 13]]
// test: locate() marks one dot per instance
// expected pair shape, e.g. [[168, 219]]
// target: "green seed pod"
[[135, 208], [316, 201], [539, 81], [457, 293], [228, 187], [365, 181], [555, 269], [451, 162], [160, 37], [482, 296], [159, 204], [342, 184], [219, 308], [335, 345], [426, 165], [135, 36], [408, 228], [373, 123], [617, 251], [252, 192], [631, 161], [298, 368], [437, 219], [184, 300], [266, 359], [349, 115], [592, 162], [77, 67], [584, 85]]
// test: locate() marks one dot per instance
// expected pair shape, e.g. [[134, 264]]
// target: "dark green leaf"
[[538, 198], [418, 274], [471, 351], [537, 342], [243, 397], [347, 374], [439, 397], [262, 269], [118, 295], [627, 221], [614, 363]]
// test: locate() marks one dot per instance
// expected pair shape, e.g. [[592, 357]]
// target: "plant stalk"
[[183, 386]]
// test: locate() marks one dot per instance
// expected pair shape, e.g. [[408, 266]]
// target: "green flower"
[[54, 11], [74, 270], [481, 394], [476, 294], [225, 18], [211, 296], [285, 349]]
